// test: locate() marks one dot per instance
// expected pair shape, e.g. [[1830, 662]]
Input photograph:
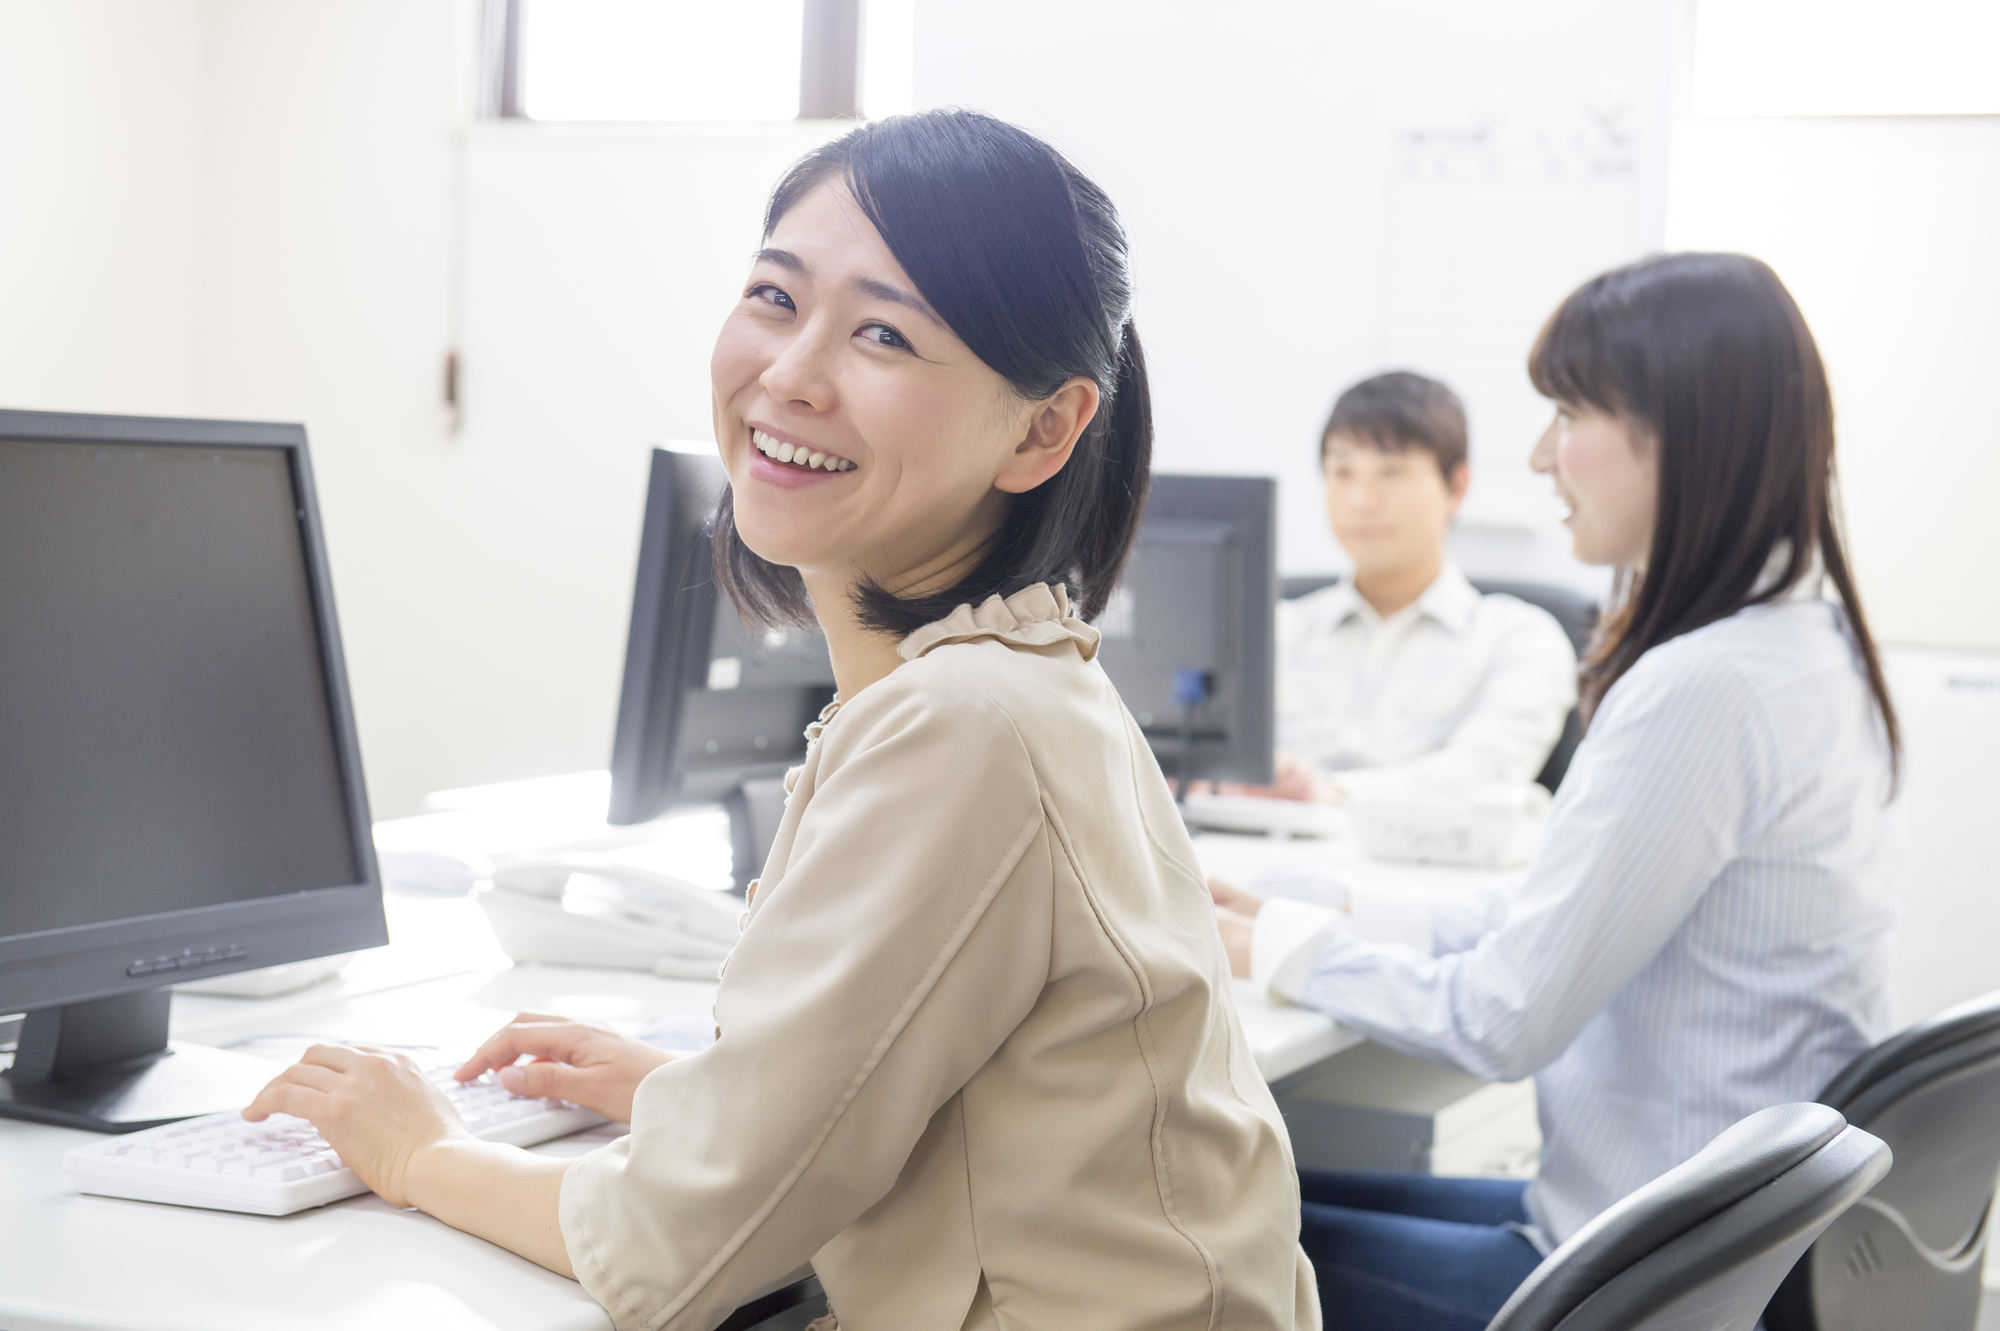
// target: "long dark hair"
[[1023, 256], [1709, 356]]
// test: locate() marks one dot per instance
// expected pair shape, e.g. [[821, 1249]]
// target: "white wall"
[[1949, 701], [325, 297], [1884, 229], [99, 149], [1289, 238], [599, 265]]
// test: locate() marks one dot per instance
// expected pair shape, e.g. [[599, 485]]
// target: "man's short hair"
[[1400, 410]]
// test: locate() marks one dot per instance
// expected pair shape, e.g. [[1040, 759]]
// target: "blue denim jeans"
[[1413, 1252]]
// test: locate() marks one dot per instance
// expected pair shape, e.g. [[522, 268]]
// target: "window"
[[1846, 57], [697, 60]]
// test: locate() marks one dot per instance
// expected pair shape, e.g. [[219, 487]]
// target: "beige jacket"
[[978, 1061]]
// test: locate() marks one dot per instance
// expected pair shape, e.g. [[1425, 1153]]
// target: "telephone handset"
[[580, 909]]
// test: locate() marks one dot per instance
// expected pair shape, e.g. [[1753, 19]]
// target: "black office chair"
[[1304, 584], [1573, 610], [1910, 1255], [787, 1309], [1702, 1247]]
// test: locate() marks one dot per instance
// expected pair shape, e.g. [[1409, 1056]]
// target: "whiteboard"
[[1491, 223]]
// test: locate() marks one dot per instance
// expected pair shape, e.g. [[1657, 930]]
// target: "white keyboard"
[[283, 1165], [1269, 817]]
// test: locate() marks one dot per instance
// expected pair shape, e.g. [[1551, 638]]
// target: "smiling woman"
[[976, 1055], [1021, 341]]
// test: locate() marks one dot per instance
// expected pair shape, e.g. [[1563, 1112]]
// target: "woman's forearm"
[[500, 1193]]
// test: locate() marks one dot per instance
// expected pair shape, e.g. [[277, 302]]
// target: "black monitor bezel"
[[1247, 505], [80, 963], [676, 607]]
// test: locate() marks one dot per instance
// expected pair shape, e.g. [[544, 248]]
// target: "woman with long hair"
[[976, 1056], [1705, 930]]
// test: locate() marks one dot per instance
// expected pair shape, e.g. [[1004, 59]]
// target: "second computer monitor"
[[1189, 635], [711, 709]]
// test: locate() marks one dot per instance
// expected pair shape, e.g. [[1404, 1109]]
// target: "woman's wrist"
[[501, 1193], [430, 1171]]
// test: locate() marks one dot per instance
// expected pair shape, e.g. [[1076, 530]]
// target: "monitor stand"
[[755, 808], [107, 1066]]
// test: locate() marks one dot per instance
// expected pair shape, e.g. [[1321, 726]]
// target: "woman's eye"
[[764, 291], [882, 336]]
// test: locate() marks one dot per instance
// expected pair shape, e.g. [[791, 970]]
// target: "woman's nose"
[[801, 373], [1542, 458]]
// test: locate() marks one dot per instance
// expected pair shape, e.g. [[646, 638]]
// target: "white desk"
[[73, 1262], [1290, 1039]]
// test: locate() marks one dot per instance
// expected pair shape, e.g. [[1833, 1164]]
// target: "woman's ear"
[[1054, 425]]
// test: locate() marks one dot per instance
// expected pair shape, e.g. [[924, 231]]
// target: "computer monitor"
[[180, 787], [709, 710], [1189, 635]]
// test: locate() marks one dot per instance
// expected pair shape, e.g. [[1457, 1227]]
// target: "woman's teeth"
[[799, 456]]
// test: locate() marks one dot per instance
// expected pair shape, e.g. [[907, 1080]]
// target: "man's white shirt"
[[1454, 691]]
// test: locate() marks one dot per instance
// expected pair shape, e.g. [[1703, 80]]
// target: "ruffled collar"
[[814, 729], [1036, 616]]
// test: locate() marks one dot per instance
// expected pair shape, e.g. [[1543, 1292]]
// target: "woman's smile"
[[790, 463], [795, 452]]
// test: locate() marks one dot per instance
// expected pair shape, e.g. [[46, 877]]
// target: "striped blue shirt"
[[1706, 931]]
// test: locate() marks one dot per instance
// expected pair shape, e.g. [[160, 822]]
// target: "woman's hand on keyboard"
[[375, 1109], [585, 1065]]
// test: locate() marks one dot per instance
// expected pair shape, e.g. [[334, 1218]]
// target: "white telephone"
[[581, 909]]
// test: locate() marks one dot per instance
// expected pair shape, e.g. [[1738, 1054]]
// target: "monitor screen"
[[1188, 635], [169, 740]]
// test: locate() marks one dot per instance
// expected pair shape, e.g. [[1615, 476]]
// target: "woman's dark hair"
[[1024, 258], [1708, 357]]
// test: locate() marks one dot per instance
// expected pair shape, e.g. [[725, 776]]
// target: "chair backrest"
[[1304, 584], [1573, 610], [787, 1309], [1702, 1247], [1910, 1255]]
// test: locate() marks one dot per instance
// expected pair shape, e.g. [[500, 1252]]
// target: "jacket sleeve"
[[1680, 772], [906, 936]]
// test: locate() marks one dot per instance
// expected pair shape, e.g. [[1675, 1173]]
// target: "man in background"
[[1404, 677]]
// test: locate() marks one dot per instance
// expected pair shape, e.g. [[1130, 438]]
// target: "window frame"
[[829, 63]]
